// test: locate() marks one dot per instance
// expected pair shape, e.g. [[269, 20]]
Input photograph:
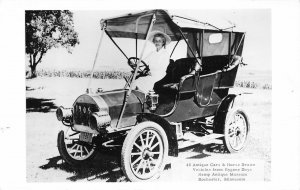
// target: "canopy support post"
[[237, 47], [135, 72], [202, 44], [136, 44], [92, 73], [175, 47], [190, 48], [116, 44], [229, 48]]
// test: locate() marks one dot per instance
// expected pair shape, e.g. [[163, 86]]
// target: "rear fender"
[[221, 112], [170, 131]]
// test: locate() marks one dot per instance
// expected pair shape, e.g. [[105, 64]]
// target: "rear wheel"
[[73, 151], [144, 152], [236, 130]]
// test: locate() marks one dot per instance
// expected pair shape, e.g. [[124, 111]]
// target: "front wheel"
[[73, 151], [144, 152], [236, 130]]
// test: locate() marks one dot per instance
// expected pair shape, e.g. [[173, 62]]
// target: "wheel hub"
[[146, 154], [237, 132]]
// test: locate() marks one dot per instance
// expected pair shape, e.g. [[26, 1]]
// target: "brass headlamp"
[[152, 100]]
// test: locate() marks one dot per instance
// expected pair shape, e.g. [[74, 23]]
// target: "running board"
[[190, 139]]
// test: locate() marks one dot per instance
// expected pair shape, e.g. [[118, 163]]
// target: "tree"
[[45, 30]]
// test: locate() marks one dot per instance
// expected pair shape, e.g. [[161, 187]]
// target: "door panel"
[[204, 88]]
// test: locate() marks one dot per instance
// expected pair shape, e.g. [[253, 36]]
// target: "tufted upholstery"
[[175, 71], [181, 67]]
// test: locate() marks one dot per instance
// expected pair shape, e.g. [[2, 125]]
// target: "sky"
[[255, 22]]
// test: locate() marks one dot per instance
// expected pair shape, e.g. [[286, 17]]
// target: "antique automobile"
[[153, 126]]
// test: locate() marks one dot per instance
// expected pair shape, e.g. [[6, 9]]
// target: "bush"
[[121, 74], [83, 74], [267, 86], [251, 84]]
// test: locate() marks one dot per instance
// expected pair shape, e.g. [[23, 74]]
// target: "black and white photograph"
[[160, 85], [103, 93]]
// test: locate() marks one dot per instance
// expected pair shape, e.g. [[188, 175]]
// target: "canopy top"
[[136, 25]]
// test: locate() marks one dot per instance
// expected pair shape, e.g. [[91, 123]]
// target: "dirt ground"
[[44, 95]]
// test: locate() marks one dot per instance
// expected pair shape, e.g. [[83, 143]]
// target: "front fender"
[[170, 131]]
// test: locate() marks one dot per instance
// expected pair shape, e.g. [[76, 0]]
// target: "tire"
[[73, 151], [144, 152], [236, 129]]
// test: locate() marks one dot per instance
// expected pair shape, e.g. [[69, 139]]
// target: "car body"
[[150, 126]]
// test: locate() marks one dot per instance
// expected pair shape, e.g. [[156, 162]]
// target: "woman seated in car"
[[158, 61]]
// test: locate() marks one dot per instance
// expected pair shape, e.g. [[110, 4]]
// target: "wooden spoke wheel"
[[72, 150], [144, 152]]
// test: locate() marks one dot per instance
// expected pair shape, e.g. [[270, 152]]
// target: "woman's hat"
[[153, 33]]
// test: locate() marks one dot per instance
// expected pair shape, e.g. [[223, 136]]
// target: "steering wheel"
[[143, 69]]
